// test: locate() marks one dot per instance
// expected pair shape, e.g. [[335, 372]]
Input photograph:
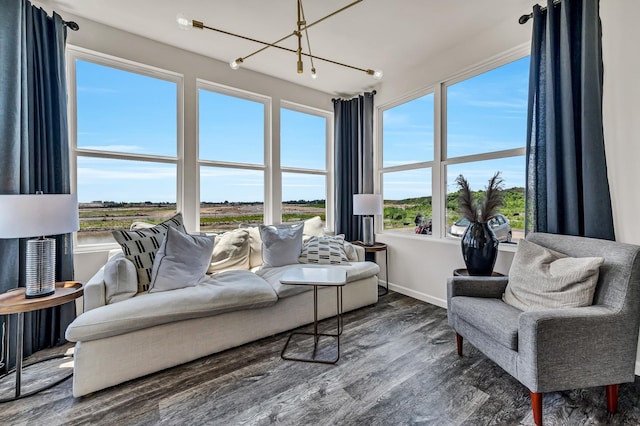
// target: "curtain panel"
[[34, 147], [567, 184], [353, 160]]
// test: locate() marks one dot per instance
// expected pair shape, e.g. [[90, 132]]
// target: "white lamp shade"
[[367, 204], [37, 215]]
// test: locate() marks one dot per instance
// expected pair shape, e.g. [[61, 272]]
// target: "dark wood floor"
[[398, 366]]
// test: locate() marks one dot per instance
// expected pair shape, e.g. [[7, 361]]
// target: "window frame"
[[440, 162], [75, 53]]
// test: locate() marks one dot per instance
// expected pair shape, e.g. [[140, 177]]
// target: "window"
[[486, 122], [125, 144], [231, 146], [407, 162], [303, 157], [482, 117]]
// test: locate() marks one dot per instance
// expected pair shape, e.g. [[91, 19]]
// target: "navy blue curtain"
[[34, 146], [353, 160], [567, 184]]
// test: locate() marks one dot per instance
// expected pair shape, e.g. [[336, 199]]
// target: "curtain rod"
[[525, 18], [72, 25], [373, 92]]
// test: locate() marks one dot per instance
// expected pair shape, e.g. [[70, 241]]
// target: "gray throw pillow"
[[325, 250], [541, 278], [281, 244], [182, 261], [120, 279], [141, 246]]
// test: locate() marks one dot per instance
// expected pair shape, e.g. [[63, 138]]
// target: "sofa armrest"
[[94, 292], [359, 252], [553, 344]]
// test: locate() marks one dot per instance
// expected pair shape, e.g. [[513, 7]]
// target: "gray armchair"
[[560, 349]]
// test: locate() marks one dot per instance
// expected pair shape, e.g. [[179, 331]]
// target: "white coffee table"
[[317, 277]]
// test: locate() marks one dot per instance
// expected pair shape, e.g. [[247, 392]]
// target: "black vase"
[[479, 249]]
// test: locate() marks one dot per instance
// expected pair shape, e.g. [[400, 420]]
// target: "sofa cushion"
[[325, 250], [493, 317], [281, 244], [181, 261], [219, 293], [230, 252], [141, 247], [355, 271], [541, 278], [120, 279]]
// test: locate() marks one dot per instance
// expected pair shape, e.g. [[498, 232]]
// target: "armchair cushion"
[[541, 278], [492, 316]]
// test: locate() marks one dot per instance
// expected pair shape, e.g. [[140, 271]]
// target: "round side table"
[[376, 247], [464, 273], [14, 302]]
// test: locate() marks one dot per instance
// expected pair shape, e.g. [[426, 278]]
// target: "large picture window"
[[231, 146], [303, 158], [481, 118], [407, 162], [125, 145]]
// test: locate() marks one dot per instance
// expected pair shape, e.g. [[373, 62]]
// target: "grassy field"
[[104, 217], [402, 213]]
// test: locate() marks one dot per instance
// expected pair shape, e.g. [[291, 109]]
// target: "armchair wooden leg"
[[459, 344], [536, 406], [612, 398]]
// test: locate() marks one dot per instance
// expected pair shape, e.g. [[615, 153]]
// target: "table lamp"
[[367, 205], [38, 215]]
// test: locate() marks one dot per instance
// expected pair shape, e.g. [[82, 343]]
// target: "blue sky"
[[485, 113], [124, 112]]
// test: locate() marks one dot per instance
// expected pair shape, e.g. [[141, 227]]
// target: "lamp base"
[[368, 236], [40, 271]]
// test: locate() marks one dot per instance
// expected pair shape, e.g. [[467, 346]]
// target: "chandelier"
[[300, 32]]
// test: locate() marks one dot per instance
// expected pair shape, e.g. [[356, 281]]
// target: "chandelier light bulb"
[[314, 74], [377, 74], [184, 23], [235, 64]]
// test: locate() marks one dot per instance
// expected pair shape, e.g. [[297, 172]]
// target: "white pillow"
[[255, 245], [541, 278], [313, 227], [281, 244], [120, 279], [182, 261], [230, 252], [326, 250]]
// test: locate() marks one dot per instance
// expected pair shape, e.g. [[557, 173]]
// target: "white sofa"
[[154, 331]]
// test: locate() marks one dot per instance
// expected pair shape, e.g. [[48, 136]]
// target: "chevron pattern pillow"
[[141, 247], [325, 250]]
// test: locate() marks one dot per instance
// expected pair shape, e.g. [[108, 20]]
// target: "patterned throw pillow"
[[325, 250], [141, 247]]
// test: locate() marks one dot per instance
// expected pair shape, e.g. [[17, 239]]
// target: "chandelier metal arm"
[[301, 26]]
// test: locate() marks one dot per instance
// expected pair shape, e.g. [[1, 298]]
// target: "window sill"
[[505, 247]]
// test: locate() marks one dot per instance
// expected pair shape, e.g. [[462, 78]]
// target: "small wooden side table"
[[376, 247], [464, 273], [14, 302]]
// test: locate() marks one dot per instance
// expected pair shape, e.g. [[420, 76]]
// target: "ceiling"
[[376, 34]]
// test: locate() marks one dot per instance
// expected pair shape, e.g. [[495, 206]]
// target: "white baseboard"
[[418, 295]]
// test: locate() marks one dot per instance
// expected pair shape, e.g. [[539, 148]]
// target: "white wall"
[[108, 40], [621, 111]]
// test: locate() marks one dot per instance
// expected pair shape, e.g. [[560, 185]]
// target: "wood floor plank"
[[398, 366]]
